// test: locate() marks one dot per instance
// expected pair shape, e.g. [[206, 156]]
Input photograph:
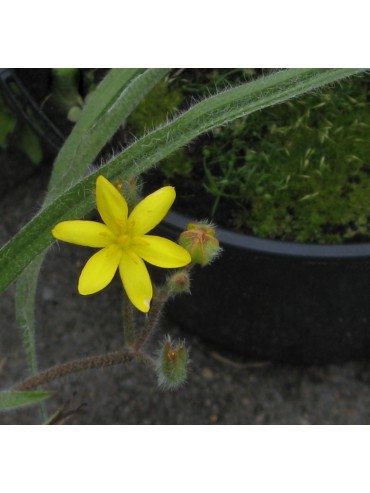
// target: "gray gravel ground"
[[221, 387]]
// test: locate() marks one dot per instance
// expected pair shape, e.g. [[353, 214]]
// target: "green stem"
[[159, 300], [25, 314], [128, 320]]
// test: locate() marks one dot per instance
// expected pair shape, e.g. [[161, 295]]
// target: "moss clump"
[[298, 171], [162, 102], [156, 107]]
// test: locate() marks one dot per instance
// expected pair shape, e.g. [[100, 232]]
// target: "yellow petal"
[[161, 252], [111, 205], [99, 270], [85, 233], [151, 210], [136, 281]]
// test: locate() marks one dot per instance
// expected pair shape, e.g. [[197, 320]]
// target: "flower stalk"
[[93, 362], [128, 321], [160, 298], [129, 353]]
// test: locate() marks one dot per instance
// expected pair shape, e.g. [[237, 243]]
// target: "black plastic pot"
[[277, 301]]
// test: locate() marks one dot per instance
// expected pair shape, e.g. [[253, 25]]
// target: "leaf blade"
[[147, 151], [13, 400], [119, 93]]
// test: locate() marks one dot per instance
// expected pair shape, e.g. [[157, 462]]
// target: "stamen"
[[123, 240]]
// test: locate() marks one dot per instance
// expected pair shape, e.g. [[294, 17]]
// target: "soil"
[[221, 388]]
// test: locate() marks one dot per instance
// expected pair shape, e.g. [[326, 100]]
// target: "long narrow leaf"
[[25, 309], [12, 400], [108, 107], [214, 111], [118, 94]]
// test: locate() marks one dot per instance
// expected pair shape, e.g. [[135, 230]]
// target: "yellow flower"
[[124, 243]]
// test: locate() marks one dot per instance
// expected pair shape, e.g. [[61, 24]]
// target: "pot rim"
[[277, 247]]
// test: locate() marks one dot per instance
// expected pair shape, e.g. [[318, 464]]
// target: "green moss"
[[298, 171], [156, 107], [162, 102]]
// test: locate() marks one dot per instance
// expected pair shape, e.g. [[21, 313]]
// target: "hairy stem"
[[76, 366], [128, 320], [159, 300]]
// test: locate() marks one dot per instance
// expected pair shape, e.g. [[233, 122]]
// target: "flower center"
[[123, 241]]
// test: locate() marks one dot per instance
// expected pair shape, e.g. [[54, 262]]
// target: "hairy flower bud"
[[201, 242], [179, 282], [130, 189], [172, 364]]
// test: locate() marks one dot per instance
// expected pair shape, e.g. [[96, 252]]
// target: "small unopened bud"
[[179, 282], [172, 364], [130, 189], [201, 242]]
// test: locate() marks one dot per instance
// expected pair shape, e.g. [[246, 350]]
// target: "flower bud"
[[172, 364], [179, 282], [201, 242], [130, 189]]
